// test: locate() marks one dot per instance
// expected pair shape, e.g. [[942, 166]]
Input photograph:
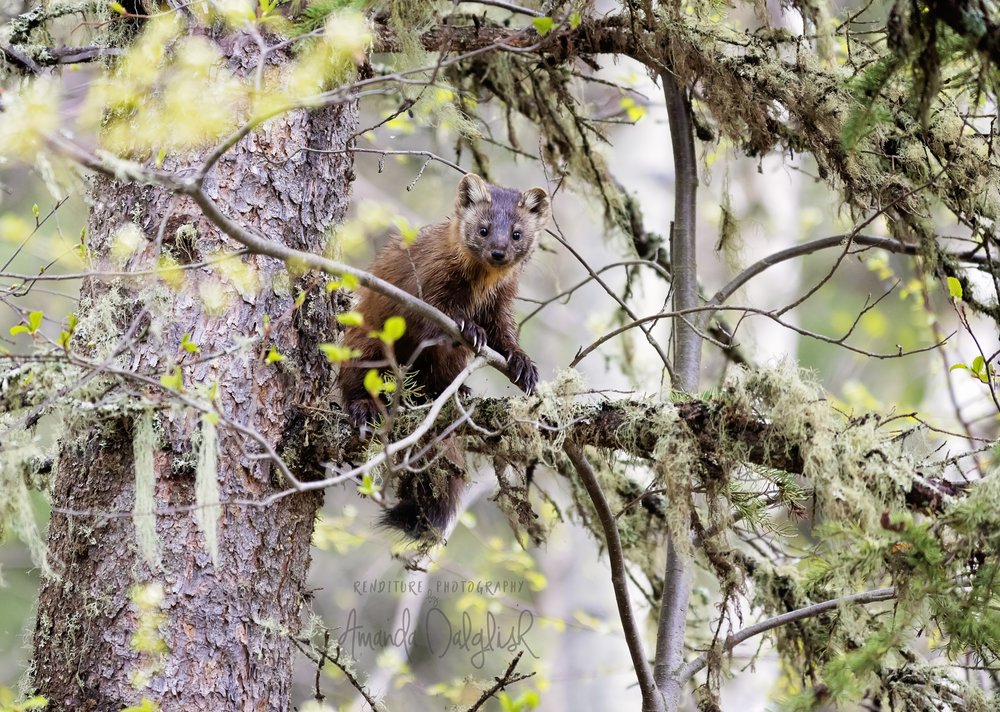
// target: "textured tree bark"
[[226, 626]]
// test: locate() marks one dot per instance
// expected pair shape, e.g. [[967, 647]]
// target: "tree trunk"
[[226, 626]]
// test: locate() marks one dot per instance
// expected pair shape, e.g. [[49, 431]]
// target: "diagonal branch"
[[121, 169], [508, 678], [865, 597], [652, 701]]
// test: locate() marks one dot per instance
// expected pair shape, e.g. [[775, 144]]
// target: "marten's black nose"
[[498, 255]]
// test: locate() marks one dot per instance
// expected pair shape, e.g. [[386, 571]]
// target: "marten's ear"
[[472, 190], [536, 201]]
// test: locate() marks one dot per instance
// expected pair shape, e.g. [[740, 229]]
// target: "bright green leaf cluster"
[[335, 353], [154, 100], [351, 318], [368, 486], [376, 385], [543, 25], [344, 281], [344, 44], [31, 328], [174, 381], [632, 110], [979, 369], [392, 331], [954, 288]]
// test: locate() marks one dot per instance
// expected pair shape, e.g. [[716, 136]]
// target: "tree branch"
[[122, 169], [652, 701], [672, 624], [823, 243], [865, 597], [502, 681]]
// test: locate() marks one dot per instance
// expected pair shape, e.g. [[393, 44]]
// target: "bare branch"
[[652, 700], [865, 597], [672, 622]]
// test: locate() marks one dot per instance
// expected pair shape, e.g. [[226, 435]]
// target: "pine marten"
[[469, 269]]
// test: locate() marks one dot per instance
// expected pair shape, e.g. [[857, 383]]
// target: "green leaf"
[[574, 20], [273, 356], [116, 7], [373, 383], [367, 486], [351, 318], [958, 366], [543, 25], [212, 418], [188, 345], [64, 338], [633, 110], [335, 353], [954, 288], [392, 330], [34, 324], [406, 231], [345, 281], [35, 211], [299, 300], [977, 365], [173, 381]]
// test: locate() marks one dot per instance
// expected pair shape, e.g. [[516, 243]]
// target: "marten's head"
[[499, 226]]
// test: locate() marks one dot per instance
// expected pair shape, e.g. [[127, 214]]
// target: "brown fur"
[[449, 266], [471, 277]]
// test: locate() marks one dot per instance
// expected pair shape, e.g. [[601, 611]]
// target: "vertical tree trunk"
[[226, 626]]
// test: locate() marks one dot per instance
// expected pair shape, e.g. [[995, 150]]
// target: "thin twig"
[[508, 678]]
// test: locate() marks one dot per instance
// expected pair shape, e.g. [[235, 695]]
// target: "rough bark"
[[226, 626]]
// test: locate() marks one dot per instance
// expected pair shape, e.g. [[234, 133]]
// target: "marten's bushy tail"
[[427, 504]]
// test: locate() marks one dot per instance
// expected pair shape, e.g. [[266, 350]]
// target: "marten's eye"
[[516, 235], [484, 231]]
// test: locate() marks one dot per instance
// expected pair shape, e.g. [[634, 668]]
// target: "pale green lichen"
[[144, 442], [17, 454], [206, 486], [552, 404]]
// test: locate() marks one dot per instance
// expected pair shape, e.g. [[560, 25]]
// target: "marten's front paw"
[[364, 413], [473, 333], [524, 371]]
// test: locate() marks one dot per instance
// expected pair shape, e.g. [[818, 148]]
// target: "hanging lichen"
[[206, 488], [144, 442]]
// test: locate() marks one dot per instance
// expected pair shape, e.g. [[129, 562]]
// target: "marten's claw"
[[523, 370], [473, 333]]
